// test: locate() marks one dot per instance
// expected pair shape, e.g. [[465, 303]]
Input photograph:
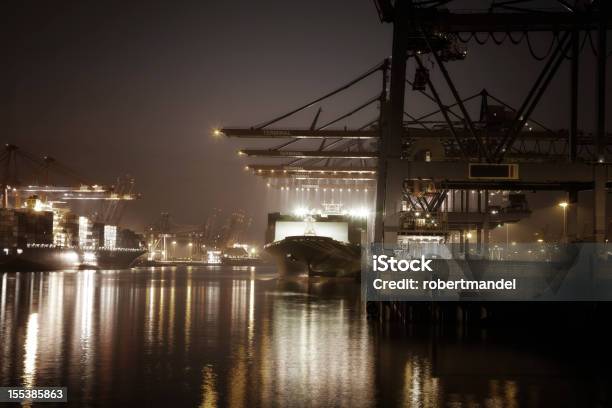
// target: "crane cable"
[[361, 77], [525, 36], [593, 49]]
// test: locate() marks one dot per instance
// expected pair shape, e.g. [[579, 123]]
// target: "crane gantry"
[[25, 174], [492, 132]]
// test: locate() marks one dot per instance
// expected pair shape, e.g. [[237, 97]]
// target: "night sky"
[[113, 88]]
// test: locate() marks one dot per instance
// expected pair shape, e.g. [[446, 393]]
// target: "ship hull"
[[315, 256], [54, 258], [116, 259], [241, 261], [38, 259]]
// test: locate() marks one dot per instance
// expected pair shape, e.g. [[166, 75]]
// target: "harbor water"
[[240, 336]]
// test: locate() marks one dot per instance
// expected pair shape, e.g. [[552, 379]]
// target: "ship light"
[[38, 206], [19, 251], [71, 257]]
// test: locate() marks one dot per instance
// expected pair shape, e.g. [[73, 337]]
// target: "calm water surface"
[[205, 337]]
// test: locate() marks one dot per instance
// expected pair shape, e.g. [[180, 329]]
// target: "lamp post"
[[564, 205]]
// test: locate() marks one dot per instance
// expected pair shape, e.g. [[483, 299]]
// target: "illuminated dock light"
[[563, 204], [89, 257]]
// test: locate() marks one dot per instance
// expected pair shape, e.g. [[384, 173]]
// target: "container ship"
[[311, 243], [39, 236]]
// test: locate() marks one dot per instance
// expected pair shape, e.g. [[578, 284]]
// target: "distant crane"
[[112, 210], [24, 173]]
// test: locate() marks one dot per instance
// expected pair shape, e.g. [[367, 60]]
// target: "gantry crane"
[[390, 145], [24, 173]]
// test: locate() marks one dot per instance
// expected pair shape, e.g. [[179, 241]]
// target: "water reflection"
[[209, 391], [214, 337], [30, 351]]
